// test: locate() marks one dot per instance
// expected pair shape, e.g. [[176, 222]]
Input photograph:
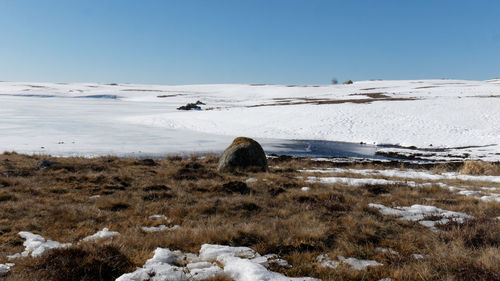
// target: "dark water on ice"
[[319, 148]]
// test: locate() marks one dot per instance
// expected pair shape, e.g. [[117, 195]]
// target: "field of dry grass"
[[271, 214]]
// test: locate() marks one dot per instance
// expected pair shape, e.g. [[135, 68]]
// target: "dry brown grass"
[[271, 215], [481, 168]]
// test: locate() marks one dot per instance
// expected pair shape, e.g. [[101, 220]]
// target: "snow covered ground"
[[449, 118]]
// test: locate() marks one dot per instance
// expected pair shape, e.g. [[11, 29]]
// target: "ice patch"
[[103, 234]]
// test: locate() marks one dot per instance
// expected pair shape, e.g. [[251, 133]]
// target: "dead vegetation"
[[322, 101], [480, 168], [269, 213]]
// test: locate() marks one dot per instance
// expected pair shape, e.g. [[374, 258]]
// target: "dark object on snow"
[[191, 106], [348, 82], [46, 164], [243, 153], [235, 187]]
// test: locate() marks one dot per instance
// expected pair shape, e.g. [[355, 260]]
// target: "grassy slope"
[[274, 217]]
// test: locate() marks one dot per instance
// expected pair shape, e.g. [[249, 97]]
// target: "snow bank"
[[419, 212], [239, 263]]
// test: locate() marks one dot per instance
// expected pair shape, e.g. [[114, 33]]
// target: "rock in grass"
[[243, 153], [46, 164]]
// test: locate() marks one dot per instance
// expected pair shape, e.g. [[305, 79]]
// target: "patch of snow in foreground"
[[159, 228], [359, 264], [386, 250], [239, 263], [410, 174], [103, 234], [35, 245], [490, 198], [5, 268], [356, 182], [417, 256], [419, 212], [355, 263]]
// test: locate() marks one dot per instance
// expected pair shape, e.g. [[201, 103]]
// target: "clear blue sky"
[[247, 41]]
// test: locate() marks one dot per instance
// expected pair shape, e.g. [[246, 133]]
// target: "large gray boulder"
[[243, 153]]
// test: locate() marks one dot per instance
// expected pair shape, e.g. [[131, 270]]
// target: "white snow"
[[355, 181], [359, 264], [105, 233], [408, 174], [354, 263], [154, 217], [5, 268], [429, 178], [239, 263], [212, 252], [159, 267], [386, 250], [419, 212], [325, 261], [418, 256], [245, 270], [251, 180], [96, 119], [161, 227], [35, 245], [305, 188]]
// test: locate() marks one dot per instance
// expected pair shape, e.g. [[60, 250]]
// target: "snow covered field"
[[450, 119]]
